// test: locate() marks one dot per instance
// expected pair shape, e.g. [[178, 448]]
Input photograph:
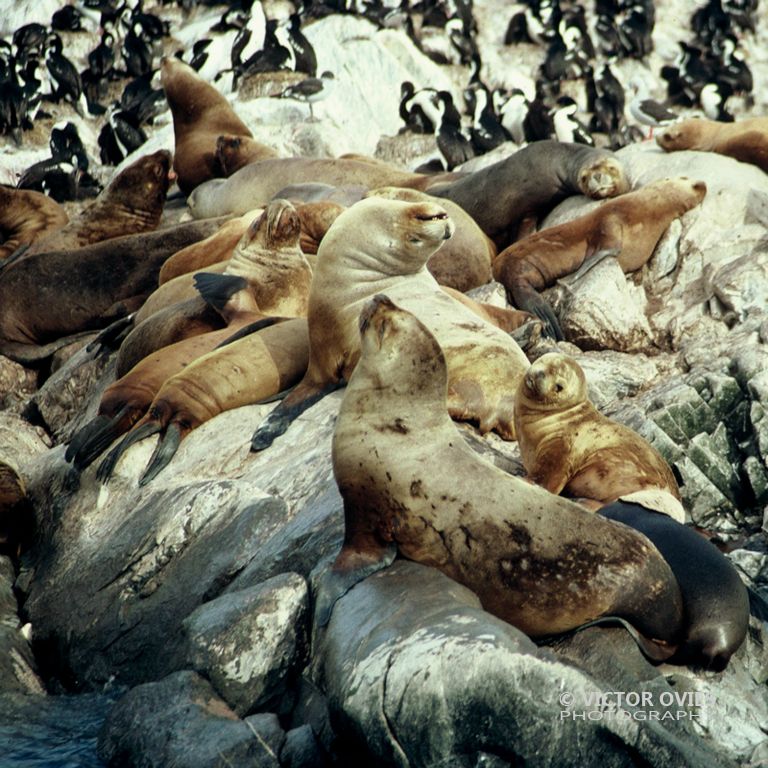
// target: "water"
[[51, 731]]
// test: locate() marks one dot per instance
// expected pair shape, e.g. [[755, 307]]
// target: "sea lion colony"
[[370, 272]]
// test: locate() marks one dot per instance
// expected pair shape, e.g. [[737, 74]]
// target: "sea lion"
[[132, 203], [200, 115], [530, 183], [627, 227], [16, 515], [383, 245], [267, 260], [745, 140], [464, 262], [568, 446], [715, 601], [256, 367], [411, 485], [27, 216], [126, 400], [316, 219], [217, 247], [48, 296], [233, 152], [257, 183]]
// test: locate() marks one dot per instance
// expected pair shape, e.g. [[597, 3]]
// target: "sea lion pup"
[[464, 262], [715, 601], [217, 247], [47, 297], [257, 183], [246, 371], [568, 446], [745, 140], [200, 115], [627, 228], [529, 183], [27, 216], [410, 484], [132, 203], [267, 260], [383, 245]]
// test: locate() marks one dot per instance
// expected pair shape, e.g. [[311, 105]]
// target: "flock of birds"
[[35, 71]]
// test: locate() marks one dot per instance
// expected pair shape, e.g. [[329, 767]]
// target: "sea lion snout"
[[701, 187]]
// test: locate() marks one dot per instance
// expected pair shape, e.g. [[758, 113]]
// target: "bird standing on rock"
[[310, 90], [647, 111]]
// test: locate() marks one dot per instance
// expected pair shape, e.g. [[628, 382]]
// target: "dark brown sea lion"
[[745, 140], [245, 371], [568, 446], [530, 183], [383, 245], [48, 296], [411, 485], [25, 217], [627, 228], [200, 115], [131, 203]]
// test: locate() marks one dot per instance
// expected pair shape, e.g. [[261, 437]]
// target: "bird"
[[418, 109], [454, 146], [310, 90], [713, 98], [513, 109], [120, 136], [567, 127], [486, 131], [69, 86], [647, 111]]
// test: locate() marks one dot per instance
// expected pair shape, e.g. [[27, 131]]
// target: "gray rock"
[[16, 385], [302, 750], [265, 726], [418, 675], [252, 644], [180, 721]]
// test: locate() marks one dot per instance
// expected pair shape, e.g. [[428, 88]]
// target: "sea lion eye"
[[558, 387]]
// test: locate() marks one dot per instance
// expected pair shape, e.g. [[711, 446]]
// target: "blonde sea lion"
[[200, 115], [233, 152], [383, 245], [256, 367], [25, 217], [523, 187], [568, 446], [132, 203], [411, 485], [46, 297], [745, 140], [464, 262], [213, 249], [627, 227], [267, 260]]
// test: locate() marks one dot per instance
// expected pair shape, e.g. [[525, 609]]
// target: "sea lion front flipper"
[[112, 336], [89, 441], [139, 432], [302, 398], [165, 450], [592, 259], [216, 289], [530, 300], [351, 567], [247, 330]]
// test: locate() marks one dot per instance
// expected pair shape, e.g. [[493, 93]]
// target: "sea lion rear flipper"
[[112, 336], [654, 650], [351, 567], [281, 417], [89, 441], [32, 354], [528, 299], [165, 450], [139, 432], [216, 289]]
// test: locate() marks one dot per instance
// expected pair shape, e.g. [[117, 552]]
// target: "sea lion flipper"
[[351, 567], [654, 650], [139, 432], [217, 290], [165, 450], [592, 259], [281, 417], [529, 300], [112, 336], [247, 330], [89, 441]]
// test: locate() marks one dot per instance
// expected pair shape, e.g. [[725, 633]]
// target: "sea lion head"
[[143, 185], [278, 226], [686, 134], [603, 177], [234, 152], [392, 236], [398, 354], [554, 382], [681, 192]]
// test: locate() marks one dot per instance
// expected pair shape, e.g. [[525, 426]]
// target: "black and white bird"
[[310, 90], [454, 146], [69, 86], [713, 99], [513, 109], [418, 108], [302, 54], [568, 128], [647, 111], [486, 131]]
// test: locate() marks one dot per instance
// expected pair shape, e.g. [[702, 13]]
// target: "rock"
[[18, 671], [302, 750], [16, 385], [266, 727], [180, 721], [742, 284], [251, 644], [388, 661]]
